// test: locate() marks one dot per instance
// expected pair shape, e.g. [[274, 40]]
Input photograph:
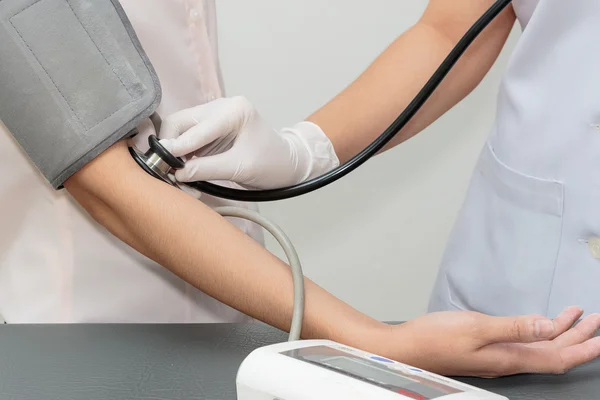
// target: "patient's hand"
[[473, 344]]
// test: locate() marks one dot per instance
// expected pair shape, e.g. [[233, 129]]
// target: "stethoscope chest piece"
[[158, 161]]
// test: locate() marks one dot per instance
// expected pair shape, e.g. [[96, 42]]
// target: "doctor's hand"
[[228, 140], [473, 344]]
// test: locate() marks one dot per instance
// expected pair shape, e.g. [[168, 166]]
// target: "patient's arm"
[[194, 242]]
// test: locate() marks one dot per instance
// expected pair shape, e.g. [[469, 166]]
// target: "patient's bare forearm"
[[187, 237]]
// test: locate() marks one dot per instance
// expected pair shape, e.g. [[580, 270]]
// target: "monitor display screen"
[[411, 383]]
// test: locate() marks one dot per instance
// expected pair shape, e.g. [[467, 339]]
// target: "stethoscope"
[[158, 161], [161, 164]]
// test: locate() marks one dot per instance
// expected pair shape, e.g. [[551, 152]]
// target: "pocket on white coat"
[[502, 252]]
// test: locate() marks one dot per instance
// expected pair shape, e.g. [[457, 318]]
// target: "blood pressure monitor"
[[320, 369]]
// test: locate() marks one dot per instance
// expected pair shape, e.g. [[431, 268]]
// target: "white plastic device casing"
[[267, 374]]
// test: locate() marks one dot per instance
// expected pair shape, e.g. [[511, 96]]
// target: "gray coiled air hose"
[[290, 252]]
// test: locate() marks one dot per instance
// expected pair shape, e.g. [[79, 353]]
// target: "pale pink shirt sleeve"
[[180, 38]]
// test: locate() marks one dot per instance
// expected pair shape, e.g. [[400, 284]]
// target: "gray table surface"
[[176, 362]]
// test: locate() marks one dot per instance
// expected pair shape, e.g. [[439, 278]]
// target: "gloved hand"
[[228, 140]]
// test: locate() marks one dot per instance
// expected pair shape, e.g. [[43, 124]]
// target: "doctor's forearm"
[[361, 112], [187, 237]]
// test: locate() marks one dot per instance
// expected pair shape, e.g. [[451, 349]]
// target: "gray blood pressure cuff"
[[74, 80]]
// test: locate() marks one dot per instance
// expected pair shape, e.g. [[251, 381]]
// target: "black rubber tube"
[[378, 144]]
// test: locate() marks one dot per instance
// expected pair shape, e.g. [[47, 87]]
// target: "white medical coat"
[[526, 239], [56, 264]]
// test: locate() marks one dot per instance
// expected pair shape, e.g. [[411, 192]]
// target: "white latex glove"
[[227, 140]]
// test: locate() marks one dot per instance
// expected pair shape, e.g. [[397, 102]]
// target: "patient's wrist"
[[366, 334]]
